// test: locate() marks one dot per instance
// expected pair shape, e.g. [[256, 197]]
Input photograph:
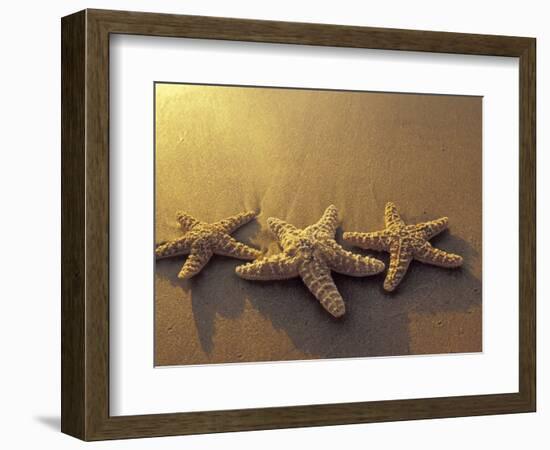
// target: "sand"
[[290, 153]]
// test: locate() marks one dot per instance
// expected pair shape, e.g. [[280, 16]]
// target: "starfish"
[[201, 240], [311, 254], [405, 243]]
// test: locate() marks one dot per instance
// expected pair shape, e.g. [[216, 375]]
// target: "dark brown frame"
[[85, 224]]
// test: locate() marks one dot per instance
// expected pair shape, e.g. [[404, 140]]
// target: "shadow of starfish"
[[376, 324]]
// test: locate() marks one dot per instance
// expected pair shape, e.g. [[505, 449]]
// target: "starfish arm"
[[391, 216], [431, 255], [231, 247], [400, 258], [281, 229], [377, 240], [432, 228], [316, 277], [276, 267], [186, 221], [328, 223], [230, 224], [180, 246], [349, 263], [195, 262]]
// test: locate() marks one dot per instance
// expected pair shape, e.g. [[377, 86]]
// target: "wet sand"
[[290, 153]]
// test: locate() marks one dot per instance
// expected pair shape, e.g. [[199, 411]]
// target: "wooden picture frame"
[[85, 224]]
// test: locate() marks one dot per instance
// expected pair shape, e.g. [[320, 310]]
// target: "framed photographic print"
[[272, 224]]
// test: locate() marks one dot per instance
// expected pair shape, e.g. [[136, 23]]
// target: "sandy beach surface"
[[290, 153]]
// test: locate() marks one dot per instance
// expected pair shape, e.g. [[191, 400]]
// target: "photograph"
[[297, 223], [275, 226]]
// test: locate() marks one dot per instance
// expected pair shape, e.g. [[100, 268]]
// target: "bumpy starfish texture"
[[405, 243], [201, 240], [311, 254]]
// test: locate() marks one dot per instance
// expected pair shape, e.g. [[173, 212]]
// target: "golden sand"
[[289, 154]]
